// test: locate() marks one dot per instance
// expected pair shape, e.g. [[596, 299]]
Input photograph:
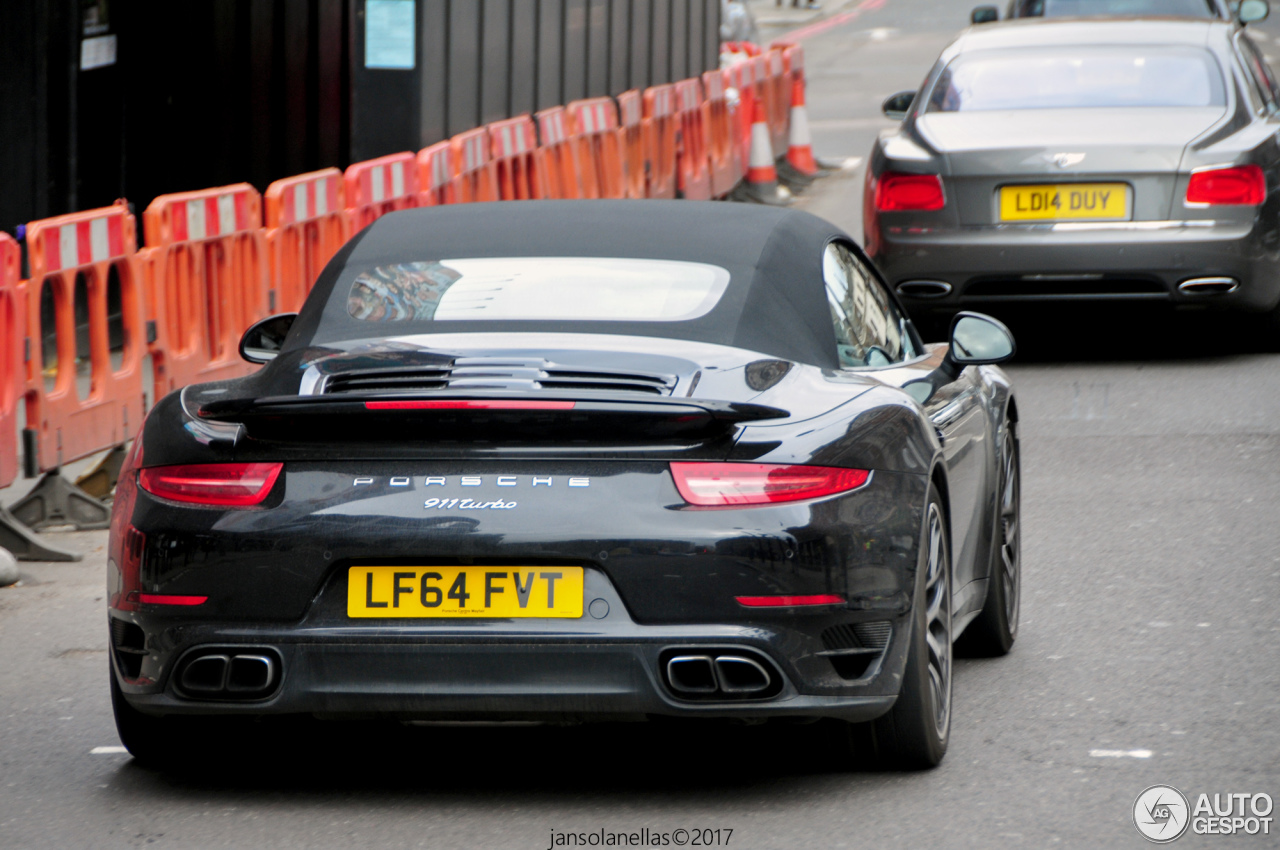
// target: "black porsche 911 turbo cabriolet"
[[576, 461]]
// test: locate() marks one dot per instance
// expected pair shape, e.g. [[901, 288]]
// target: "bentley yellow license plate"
[[496, 592], [1067, 201]]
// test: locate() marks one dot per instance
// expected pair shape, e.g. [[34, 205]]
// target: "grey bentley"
[[1053, 160]]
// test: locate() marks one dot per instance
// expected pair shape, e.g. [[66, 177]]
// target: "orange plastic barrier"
[[84, 388], [595, 123], [437, 175], [560, 150], [379, 186], [635, 145], [726, 169], [306, 225], [742, 79], [522, 171], [11, 334], [777, 94], [206, 271], [477, 173], [694, 172], [660, 126]]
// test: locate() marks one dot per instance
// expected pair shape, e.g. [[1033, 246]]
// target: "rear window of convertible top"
[[537, 288]]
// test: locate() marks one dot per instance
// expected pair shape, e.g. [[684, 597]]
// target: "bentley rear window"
[[537, 289], [1079, 77]]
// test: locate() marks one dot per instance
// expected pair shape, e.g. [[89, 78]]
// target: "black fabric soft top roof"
[[775, 302]]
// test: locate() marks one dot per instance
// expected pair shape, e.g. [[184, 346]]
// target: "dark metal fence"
[[103, 99]]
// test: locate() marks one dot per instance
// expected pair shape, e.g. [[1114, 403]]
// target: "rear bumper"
[[604, 666], [476, 680], [1134, 261]]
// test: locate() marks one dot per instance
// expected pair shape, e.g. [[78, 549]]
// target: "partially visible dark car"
[[1075, 160], [1247, 12]]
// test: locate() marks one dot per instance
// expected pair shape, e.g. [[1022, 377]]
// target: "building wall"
[[204, 93]]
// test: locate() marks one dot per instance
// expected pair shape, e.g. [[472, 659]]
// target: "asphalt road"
[[1149, 651]]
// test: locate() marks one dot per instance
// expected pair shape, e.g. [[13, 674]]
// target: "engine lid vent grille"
[[481, 373]]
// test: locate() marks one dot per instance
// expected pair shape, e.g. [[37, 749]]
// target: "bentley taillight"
[[1237, 185], [732, 485], [898, 192], [229, 485]]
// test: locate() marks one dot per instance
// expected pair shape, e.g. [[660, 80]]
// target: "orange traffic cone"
[[800, 153], [761, 184]]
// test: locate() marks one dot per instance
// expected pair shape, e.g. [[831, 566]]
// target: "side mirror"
[[898, 105], [984, 15], [1253, 10], [977, 340], [262, 342]]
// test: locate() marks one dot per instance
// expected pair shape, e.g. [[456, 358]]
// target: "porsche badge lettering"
[[448, 504], [477, 481]]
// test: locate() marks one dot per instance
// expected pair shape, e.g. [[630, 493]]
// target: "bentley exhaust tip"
[[1209, 286], [924, 288], [738, 675]]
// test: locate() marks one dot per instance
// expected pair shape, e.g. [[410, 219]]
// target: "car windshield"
[[1079, 77], [537, 288], [1128, 8]]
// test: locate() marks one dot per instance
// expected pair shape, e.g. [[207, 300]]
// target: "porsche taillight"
[[898, 192], [125, 543], [1237, 185], [732, 485], [229, 485]]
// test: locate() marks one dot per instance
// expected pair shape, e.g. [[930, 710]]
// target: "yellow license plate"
[[1064, 201], [497, 592]]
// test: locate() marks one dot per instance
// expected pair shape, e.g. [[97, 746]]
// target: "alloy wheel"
[[937, 597], [1011, 531]]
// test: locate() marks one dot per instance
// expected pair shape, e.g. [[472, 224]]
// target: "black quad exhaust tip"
[[738, 675], [718, 674], [206, 674], [230, 674], [250, 673], [692, 674]]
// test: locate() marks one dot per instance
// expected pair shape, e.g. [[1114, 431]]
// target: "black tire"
[[1267, 330], [150, 740], [174, 742], [915, 732], [995, 629]]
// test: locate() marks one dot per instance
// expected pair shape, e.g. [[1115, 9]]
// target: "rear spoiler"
[[473, 415]]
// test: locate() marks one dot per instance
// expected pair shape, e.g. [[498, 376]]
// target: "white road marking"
[[1120, 754], [107, 751], [880, 33]]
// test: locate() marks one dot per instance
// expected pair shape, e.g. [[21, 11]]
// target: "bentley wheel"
[[996, 627], [914, 734]]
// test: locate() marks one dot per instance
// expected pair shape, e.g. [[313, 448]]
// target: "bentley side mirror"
[[978, 340], [262, 342], [1253, 10], [898, 105], [984, 15]]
